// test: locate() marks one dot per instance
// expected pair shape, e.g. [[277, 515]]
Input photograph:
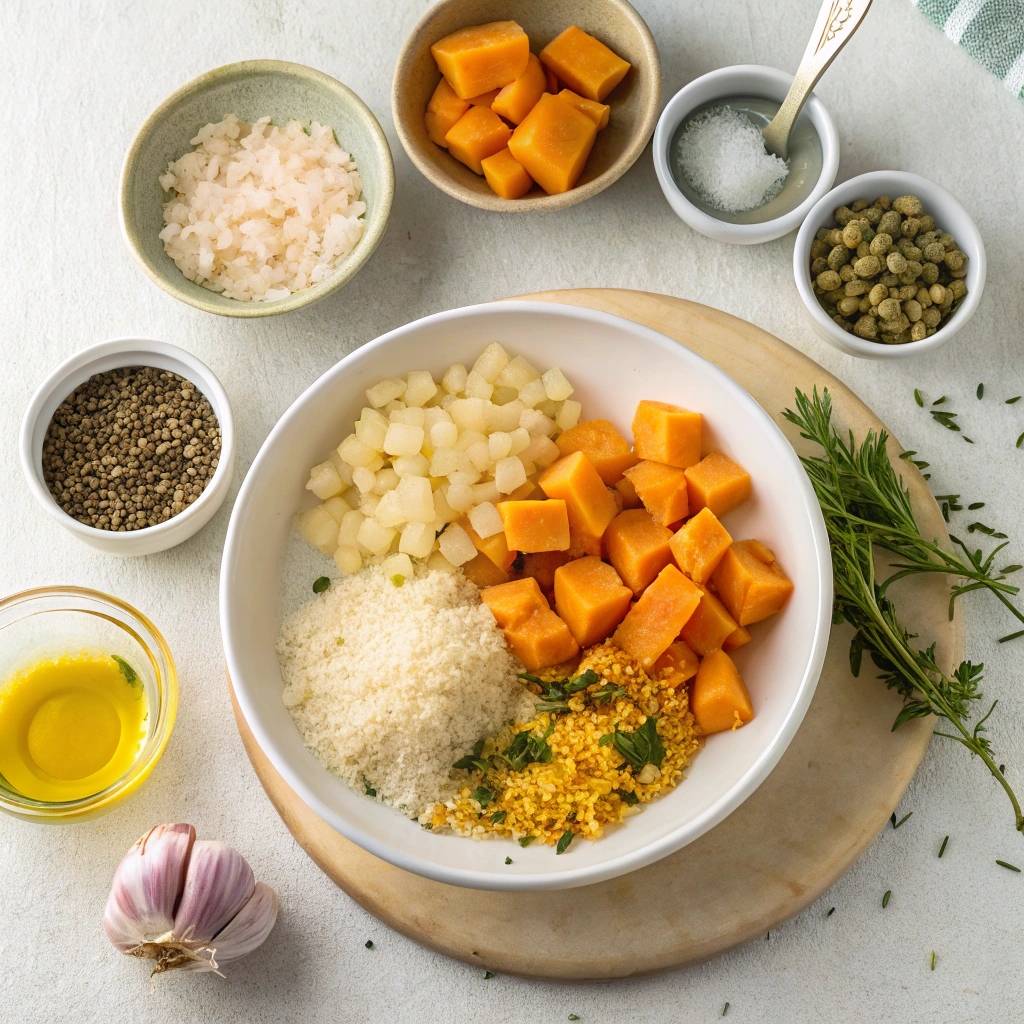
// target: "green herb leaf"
[[1011, 867], [725, 1009], [1020, 441], [320, 584], [629, 799], [574, 1016], [981, 391], [368, 789], [942, 848], [427, 826], [526, 749], [340, 641], [831, 912], [498, 817], [642, 746], [933, 960], [131, 677], [488, 975], [368, 943], [896, 824], [397, 580], [918, 398], [566, 838], [885, 898], [945, 419], [482, 796], [939, 401], [607, 693], [1011, 401], [525, 841], [508, 860]]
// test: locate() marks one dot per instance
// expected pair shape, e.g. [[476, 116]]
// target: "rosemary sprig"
[[865, 506]]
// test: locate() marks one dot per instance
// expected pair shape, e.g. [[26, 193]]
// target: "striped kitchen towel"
[[991, 31]]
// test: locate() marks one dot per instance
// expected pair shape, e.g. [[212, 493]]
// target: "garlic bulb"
[[187, 903]]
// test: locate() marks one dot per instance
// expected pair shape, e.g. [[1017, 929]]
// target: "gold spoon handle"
[[837, 21]]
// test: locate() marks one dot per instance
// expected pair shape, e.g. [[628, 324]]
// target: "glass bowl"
[[50, 621]]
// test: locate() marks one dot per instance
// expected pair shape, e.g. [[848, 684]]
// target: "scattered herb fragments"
[[1020, 441], [896, 824], [508, 860], [368, 789], [488, 975], [831, 912], [942, 848], [340, 641], [131, 677], [482, 796], [945, 419], [574, 1016], [629, 799], [564, 840], [1012, 401], [939, 401], [725, 1009], [885, 898], [397, 580], [525, 841], [368, 943], [933, 960], [1009, 867], [980, 392], [498, 817], [865, 505], [642, 747], [918, 398], [320, 584]]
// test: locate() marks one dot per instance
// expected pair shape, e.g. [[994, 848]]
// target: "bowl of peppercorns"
[[129, 445], [889, 265]]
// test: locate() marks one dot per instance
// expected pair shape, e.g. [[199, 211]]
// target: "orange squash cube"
[[599, 113], [478, 134], [494, 547], [699, 545], [575, 480], [527, 490], [666, 433], [485, 99], [483, 572], [737, 638], [630, 499], [518, 98], [506, 175], [719, 698], [482, 57], [750, 583], [606, 448], [707, 628], [638, 548], [584, 63], [541, 565], [653, 623], [590, 599], [541, 640], [662, 489], [553, 142], [443, 111], [551, 80], [535, 525], [717, 483], [680, 661], [514, 602]]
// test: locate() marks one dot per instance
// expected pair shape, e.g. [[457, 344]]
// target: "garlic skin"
[[187, 903]]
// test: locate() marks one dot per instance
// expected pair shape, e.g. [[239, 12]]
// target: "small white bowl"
[[113, 355], [949, 216], [613, 363], [740, 81]]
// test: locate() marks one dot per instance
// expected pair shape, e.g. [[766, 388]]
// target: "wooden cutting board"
[[822, 806]]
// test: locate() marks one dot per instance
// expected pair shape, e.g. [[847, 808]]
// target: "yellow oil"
[[70, 726]]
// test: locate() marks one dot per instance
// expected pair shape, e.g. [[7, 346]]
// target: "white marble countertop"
[[76, 81]]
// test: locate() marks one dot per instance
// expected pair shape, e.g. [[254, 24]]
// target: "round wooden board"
[[830, 795]]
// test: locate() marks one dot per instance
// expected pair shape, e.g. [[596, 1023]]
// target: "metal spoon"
[[837, 21]]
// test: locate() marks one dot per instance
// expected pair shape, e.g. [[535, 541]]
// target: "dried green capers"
[[885, 272]]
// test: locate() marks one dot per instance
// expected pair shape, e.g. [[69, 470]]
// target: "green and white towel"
[[991, 31]]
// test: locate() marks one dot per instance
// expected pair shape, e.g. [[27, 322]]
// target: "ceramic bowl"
[[113, 355], [51, 621], [783, 214], [634, 101], [949, 216], [251, 89], [613, 363]]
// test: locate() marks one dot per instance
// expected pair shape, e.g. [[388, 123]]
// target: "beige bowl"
[[634, 102]]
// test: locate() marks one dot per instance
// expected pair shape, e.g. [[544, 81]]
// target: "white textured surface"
[[76, 81]]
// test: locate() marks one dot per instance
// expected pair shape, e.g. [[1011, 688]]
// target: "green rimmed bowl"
[[250, 89]]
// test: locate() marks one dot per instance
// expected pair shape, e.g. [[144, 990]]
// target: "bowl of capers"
[[889, 265]]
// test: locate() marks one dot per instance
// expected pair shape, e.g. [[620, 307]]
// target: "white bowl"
[[741, 80], [949, 216], [113, 355], [613, 363]]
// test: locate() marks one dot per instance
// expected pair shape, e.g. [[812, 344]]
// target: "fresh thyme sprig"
[[865, 506]]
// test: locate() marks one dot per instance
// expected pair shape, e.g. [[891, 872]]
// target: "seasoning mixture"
[[70, 726], [130, 448], [887, 273], [722, 157], [614, 737]]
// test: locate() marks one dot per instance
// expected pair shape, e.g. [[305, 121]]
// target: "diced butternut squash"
[[478, 134], [541, 566], [700, 544], [542, 640], [527, 490], [667, 433], [575, 480], [590, 599], [535, 525], [482, 57], [514, 602], [662, 489], [717, 483], [443, 111], [494, 547], [518, 98], [750, 583], [599, 113], [584, 63], [551, 79], [718, 696], [553, 142], [680, 661], [630, 499], [506, 175], [638, 548], [485, 99], [707, 628], [653, 623], [737, 638], [606, 448], [483, 572]]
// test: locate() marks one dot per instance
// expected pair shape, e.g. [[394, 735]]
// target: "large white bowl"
[[613, 363]]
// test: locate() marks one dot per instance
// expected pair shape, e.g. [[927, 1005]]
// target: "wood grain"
[[821, 807]]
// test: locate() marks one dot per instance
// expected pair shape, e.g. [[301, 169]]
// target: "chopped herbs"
[[566, 838], [607, 693], [397, 580], [933, 960], [508, 860], [527, 749], [604, 740], [629, 799], [942, 848], [725, 1009], [945, 419], [498, 817], [918, 398], [131, 677], [1011, 401], [1020, 441], [368, 789], [1010, 867], [525, 841], [641, 747], [488, 975], [368, 943], [980, 392], [574, 1016], [482, 796], [831, 912], [895, 823], [939, 401], [974, 505], [555, 695], [320, 584], [340, 641], [885, 898]]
